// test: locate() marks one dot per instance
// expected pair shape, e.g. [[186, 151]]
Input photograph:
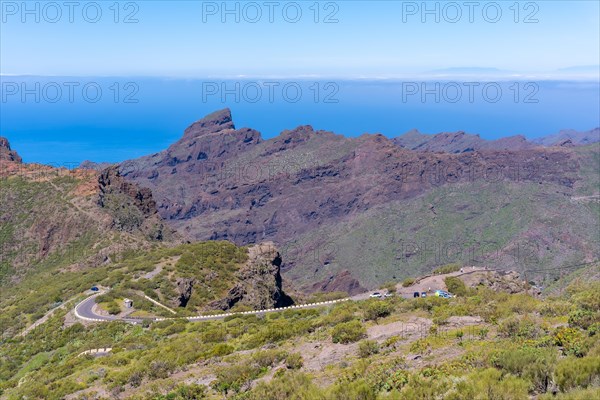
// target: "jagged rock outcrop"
[[260, 282], [132, 207], [6, 153], [110, 182], [185, 287], [508, 282]]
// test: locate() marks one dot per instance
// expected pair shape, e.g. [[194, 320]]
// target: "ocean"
[[65, 120]]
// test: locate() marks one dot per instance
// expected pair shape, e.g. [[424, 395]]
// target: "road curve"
[[85, 311]]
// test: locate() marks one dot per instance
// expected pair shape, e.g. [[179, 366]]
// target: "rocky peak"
[[6, 153], [260, 284], [216, 122]]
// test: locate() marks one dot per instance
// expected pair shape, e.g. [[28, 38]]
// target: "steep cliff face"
[[260, 283], [132, 208], [6, 153], [110, 183]]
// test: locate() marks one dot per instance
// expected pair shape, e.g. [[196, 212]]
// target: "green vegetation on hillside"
[[414, 349], [501, 225]]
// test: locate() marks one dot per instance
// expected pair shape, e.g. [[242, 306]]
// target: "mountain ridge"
[[221, 183], [315, 194]]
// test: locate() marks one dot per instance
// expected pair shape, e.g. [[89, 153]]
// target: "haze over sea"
[[64, 120]]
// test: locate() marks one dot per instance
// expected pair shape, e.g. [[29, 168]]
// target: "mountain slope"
[[56, 239], [458, 142], [305, 188], [461, 142], [575, 137]]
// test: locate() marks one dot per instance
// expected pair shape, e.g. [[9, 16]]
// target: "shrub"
[[185, 392], [348, 332], [234, 377], [136, 378], [221, 349], [533, 364], [159, 370], [554, 308], [338, 314], [583, 318], [515, 326], [408, 282], [581, 394], [420, 346], [367, 348], [491, 384], [456, 286], [392, 341], [177, 327], [294, 361], [594, 329], [482, 333], [571, 340], [574, 372], [357, 390], [387, 376], [268, 358], [377, 309], [113, 308], [214, 335], [290, 385]]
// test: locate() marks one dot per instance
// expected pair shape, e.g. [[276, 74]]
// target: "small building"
[[128, 303]]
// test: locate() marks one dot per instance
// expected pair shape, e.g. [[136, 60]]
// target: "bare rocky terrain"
[[316, 193]]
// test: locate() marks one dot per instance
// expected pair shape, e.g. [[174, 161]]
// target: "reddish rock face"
[[342, 282], [219, 182], [6, 154]]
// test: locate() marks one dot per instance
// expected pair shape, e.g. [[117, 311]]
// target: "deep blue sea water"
[[67, 120]]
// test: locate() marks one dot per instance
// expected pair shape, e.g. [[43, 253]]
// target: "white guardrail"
[[213, 316], [294, 307], [95, 351], [81, 316]]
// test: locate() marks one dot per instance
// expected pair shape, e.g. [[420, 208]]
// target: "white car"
[[376, 295]]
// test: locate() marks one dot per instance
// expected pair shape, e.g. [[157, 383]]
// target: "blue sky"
[[370, 39], [175, 45]]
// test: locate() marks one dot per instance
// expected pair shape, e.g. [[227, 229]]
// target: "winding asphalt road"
[[85, 309]]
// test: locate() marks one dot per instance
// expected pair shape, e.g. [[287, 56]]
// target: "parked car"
[[388, 295], [423, 294], [376, 295], [444, 294], [417, 294], [94, 288]]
